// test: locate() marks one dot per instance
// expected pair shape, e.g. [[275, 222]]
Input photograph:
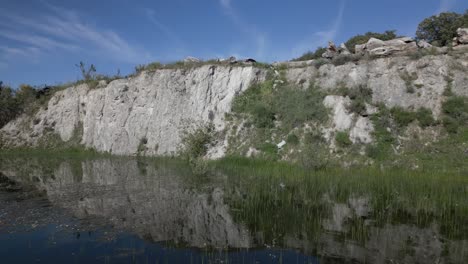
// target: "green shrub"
[[317, 54], [455, 107], [313, 138], [342, 139], [384, 139], [357, 106], [402, 117], [359, 97], [425, 117], [295, 106], [314, 156], [455, 111], [269, 151], [450, 124], [263, 116], [292, 139], [195, 143], [360, 92]]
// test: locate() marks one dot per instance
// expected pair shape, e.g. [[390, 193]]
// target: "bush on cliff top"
[[311, 55]]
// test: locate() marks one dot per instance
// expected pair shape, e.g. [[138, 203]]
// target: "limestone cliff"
[[153, 107], [147, 113]]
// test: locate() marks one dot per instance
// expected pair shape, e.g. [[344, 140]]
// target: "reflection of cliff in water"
[[152, 201], [164, 202]]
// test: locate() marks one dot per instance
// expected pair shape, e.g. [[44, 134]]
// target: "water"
[[128, 210]]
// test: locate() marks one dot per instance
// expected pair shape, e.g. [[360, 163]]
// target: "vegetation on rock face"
[[441, 29], [275, 111], [194, 146], [342, 139], [455, 110], [359, 97], [278, 101], [195, 142]]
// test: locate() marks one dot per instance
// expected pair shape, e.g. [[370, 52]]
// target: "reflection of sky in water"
[[45, 245]]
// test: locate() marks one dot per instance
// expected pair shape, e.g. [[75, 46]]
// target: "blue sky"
[[42, 40]]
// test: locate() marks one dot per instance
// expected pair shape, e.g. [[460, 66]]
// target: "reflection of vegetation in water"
[[281, 200]]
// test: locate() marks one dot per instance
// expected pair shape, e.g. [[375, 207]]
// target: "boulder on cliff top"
[[332, 51], [379, 47], [462, 37], [191, 59]]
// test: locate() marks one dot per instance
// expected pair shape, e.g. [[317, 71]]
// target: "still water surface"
[[128, 210]]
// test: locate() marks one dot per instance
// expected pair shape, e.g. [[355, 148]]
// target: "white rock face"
[[360, 128], [155, 106], [342, 120], [384, 77]]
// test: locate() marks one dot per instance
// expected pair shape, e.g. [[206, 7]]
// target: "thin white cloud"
[[321, 38], [259, 38], [38, 41], [26, 52], [445, 5], [64, 29]]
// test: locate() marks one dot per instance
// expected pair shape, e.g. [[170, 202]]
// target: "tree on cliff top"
[[439, 30]]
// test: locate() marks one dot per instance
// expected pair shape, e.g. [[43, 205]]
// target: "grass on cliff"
[[274, 111], [277, 101], [154, 66]]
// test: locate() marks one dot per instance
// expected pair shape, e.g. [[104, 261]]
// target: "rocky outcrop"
[[332, 51], [461, 38], [377, 47], [387, 78]]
